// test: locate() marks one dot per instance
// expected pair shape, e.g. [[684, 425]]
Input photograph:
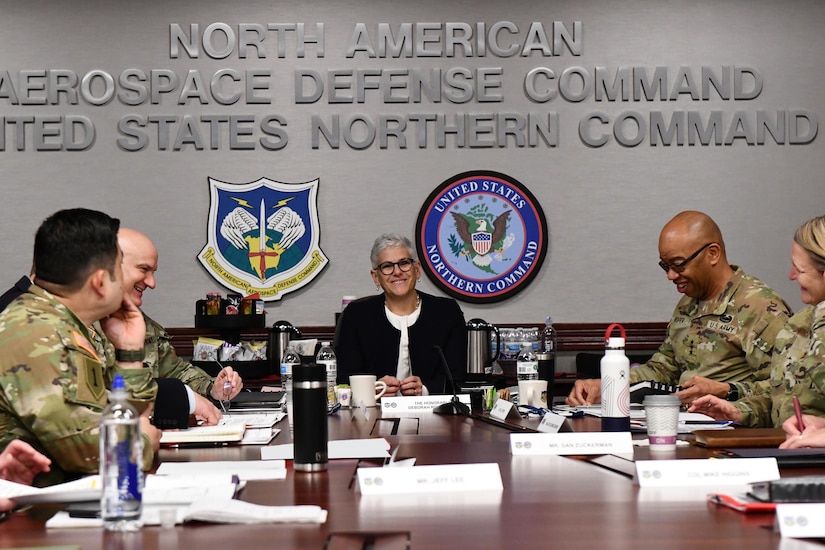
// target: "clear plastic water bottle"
[[326, 357], [514, 343], [525, 338], [535, 342], [121, 461], [527, 364], [495, 342], [289, 361]]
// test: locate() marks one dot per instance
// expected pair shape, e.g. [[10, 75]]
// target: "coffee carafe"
[[279, 336], [478, 345]]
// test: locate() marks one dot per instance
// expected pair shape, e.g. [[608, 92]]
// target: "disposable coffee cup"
[[662, 416]]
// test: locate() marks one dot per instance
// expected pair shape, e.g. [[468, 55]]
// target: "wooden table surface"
[[547, 502]]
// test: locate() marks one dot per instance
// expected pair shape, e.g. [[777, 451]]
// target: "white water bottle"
[[121, 461], [615, 376], [527, 364], [326, 357], [289, 361]]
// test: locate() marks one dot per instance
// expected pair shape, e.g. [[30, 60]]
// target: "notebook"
[[740, 437], [226, 431]]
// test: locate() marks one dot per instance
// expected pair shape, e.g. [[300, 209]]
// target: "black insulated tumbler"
[[310, 435]]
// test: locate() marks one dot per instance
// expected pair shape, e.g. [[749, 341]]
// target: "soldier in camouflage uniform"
[[52, 378], [798, 367], [722, 332], [140, 261]]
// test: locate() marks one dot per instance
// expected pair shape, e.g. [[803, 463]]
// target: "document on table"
[[259, 436], [256, 419], [214, 507], [79, 490], [182, 490], [246, 470], [343, 448], [237, 511]]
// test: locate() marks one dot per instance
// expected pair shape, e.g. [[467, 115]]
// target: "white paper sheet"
[[344, 448], [246, 470]]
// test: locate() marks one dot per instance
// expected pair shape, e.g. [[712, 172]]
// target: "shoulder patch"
[[82, 343], [91, 387]]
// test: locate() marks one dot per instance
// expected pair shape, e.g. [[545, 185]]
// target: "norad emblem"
[[481, 236], [263, 236]]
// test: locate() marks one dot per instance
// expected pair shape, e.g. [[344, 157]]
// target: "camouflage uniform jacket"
[[727, 339], [163, 362], [798, 369], [53, 385]]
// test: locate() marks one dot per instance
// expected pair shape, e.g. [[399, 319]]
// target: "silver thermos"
[[279, 336], [479, 337]]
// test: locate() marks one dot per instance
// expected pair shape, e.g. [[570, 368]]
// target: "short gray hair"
[[390, 240]]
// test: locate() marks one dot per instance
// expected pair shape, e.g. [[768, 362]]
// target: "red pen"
[[798, 411]]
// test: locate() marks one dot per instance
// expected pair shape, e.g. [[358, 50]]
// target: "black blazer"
[[20, 287], [366, 342]]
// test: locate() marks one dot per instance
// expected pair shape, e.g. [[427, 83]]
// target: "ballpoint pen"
[[226, 391], [798, 411]]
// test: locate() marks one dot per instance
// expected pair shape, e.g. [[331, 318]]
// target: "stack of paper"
[[193, 491], [236, 511]]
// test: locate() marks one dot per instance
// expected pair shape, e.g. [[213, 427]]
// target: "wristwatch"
[[733, 393], [129, 355]]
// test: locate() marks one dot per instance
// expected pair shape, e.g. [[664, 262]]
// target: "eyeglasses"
[[681, 266], [404, 264]]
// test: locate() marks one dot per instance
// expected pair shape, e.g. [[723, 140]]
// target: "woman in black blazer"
[[393, 335]]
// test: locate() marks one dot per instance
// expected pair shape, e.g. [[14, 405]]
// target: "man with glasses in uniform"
[[720, 338]]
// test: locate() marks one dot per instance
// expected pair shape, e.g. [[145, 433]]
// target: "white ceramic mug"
[[533, 393], [366, 389]]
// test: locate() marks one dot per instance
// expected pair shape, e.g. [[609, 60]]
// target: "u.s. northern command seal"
[[481, 236], [263, 236]]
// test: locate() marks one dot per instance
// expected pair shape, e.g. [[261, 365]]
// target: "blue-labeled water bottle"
[[121, 458]]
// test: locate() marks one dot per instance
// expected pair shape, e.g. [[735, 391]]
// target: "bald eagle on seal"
[[480, 240]]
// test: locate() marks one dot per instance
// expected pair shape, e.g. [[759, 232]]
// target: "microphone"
[[453, 406]]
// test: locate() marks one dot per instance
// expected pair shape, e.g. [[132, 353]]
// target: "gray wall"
[[604, 205]]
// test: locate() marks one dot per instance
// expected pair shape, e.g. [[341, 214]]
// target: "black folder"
[[785, 458], [257, 399]]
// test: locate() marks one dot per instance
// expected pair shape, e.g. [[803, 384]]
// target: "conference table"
[[546, 502]]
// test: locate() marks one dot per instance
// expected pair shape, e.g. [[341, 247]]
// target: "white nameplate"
[[581, 443], [551, 423], [452, 478], [502, 409], [801, 520], [705, 472], [418, 403]]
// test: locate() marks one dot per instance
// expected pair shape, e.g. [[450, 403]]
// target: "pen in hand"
[[798, 411]]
